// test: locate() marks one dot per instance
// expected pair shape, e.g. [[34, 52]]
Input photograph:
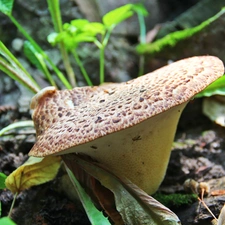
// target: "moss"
[[173, 38], [175, 200]]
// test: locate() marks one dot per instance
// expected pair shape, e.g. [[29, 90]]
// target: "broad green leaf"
[[6, 6], [114, 17], [2, 180], [20, 124], [134, 205], [79, 23], [94, 28], [33, 172], [216, 88], [173, 38], [6, 221], [71, 41], [94, 215], [84, 37]]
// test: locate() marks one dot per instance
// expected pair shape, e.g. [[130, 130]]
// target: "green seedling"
[[81, 30], [54, 8], [68, 36]]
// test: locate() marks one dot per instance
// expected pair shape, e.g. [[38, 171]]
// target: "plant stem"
[[25, 34], [141, 65], [60, 75], [102, 55], [38, 48], [142, 41], [20, 77], [80, 64], [12, 205], [14, 67], [54, 9], [67, 65], [102, 65], [142, 28], [45, 70]]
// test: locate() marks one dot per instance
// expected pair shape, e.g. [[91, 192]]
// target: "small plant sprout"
[[81, 30]]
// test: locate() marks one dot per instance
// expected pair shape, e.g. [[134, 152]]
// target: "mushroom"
[[128, 127]]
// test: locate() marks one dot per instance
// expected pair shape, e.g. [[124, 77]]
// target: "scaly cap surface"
[[68, 118]]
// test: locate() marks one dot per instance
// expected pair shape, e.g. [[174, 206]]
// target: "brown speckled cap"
[[68, 118]]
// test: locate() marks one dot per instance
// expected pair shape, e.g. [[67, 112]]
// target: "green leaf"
[[94, 215], [139, 8], [6, 221], [216, 88], [79, 23], [94, 28], [20, 124], [114, 17], [31, 54], [6, 6], [2, 180], [84, 37], [13, 68]]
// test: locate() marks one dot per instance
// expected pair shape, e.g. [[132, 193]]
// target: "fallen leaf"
[[134, 205], [33, 172], [214, 108]]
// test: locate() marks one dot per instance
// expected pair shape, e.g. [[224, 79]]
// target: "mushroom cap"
[[69, 118]]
